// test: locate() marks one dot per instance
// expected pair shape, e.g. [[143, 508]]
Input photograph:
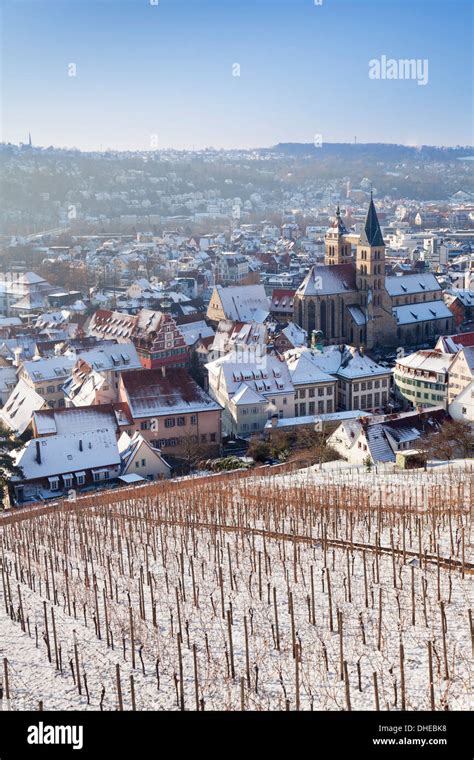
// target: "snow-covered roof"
[[129, 446], [295, 334], [30, 302], [53, 368], [149, 393], [313, 419], [52, 318], [430, 361], [356, 365], [7, 379], [246, 395], [192, 331], [305, 372], [31, 278], [81, 390], [409, 284], [244, 303], [328, 280], [466, 297], [328, 359], [454, 343], [74, 420], [357, 315], [426, 311], [112, 357], [68, 453], [267, 376], [20, 406], [243, 334]]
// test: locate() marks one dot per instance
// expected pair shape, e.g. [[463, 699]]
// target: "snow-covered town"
[[162, 378]]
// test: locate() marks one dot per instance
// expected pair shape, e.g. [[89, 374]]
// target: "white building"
[[250, 392]]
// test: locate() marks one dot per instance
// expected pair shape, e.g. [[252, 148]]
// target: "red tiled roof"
[[149, 389], [464, 339]]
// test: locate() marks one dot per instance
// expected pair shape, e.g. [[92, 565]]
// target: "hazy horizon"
[[232, 148]]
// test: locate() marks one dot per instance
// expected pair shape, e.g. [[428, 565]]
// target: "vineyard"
[[305, 590]]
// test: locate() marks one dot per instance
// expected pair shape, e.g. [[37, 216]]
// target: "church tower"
[[370, 279], [337, 248]]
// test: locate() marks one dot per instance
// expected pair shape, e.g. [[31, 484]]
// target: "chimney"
[[163, 370], [80, 445], [38, 452], [17, 353]]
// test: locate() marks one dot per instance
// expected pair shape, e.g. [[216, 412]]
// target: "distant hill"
[[386, 152]]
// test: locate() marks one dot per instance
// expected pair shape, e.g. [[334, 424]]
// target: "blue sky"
[[161, 75]]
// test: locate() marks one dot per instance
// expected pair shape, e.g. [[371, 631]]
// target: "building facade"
[[353, 301]]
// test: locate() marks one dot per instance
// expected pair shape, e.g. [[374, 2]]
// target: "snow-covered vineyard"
[[311, 590]]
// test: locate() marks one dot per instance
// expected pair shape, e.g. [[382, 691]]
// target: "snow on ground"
[[217, 565]]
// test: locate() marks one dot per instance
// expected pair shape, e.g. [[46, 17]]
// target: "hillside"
[[249, 591]]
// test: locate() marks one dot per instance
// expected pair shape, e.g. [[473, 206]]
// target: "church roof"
[[329, 280], [409, 284], [371, 234]]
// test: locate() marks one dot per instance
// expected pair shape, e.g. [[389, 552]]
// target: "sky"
[[190, 74]]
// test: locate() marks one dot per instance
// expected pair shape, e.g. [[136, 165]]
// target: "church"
[[353, 301]]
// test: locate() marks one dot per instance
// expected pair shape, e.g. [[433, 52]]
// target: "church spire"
[[371, 234]]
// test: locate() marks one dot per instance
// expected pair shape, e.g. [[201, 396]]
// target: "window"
[[137, 464], [50, 389], [144, 426], [213, 437], [194, 419], [302, 410], [285, 400], [54, 484], [320, 391], [311, 407], [181, 421], [254, 410], [244, 411], [329, 407], [203, 438], [311, 392], [80, 479], [170, 422], [320, 407], [67, 480]]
